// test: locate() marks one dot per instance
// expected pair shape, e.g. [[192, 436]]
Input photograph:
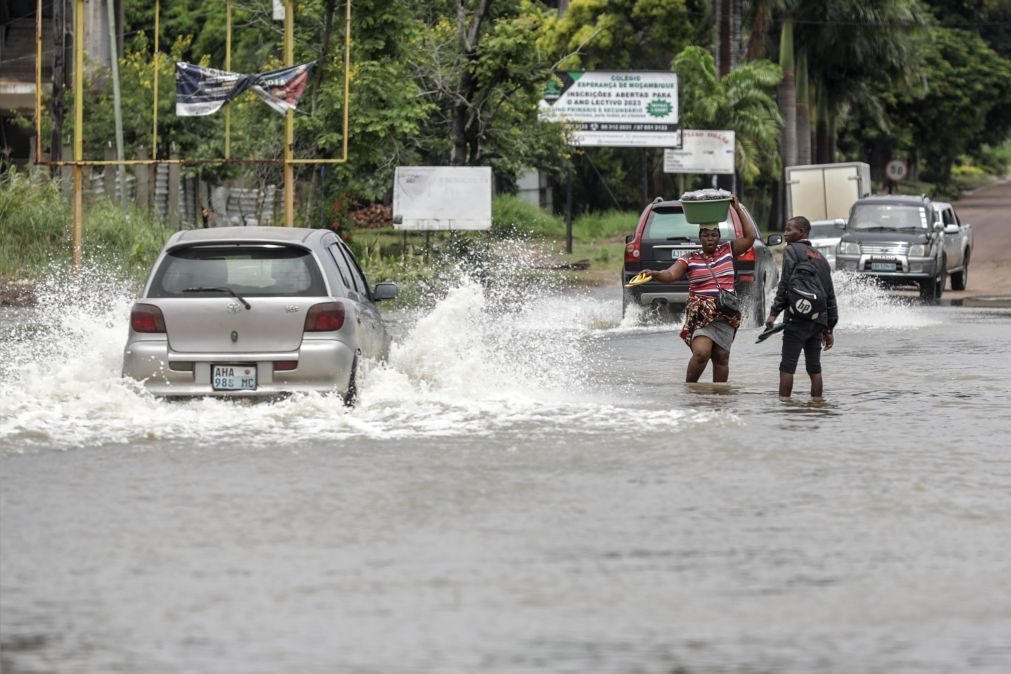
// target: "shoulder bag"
[[727, 301]]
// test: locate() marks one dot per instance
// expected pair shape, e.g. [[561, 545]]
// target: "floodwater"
[[526, 486]]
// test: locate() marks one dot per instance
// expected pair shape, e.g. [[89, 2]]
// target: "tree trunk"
[[736, 49], [759, 28], [803, 112], [466, 138], [788, 95], [59, 81], [821, 128], [330, 8], [725, 39]]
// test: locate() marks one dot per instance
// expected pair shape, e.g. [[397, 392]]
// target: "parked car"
[[254, 311], [825, 236], [906, 241], [664, 235]]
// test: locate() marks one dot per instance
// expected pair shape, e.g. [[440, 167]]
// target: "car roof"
[[275, 235], [894, 199], [941, 204]]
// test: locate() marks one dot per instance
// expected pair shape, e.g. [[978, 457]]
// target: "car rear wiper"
[[683, 239], [220, 290]]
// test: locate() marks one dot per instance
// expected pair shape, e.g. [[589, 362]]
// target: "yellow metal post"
[[78, 130], [38, 80], [289, 118], [154, 59], [228, 67]]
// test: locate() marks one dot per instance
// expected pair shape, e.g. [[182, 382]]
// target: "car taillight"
[[632, 252], [747, 255], [147, 318], [285, 365], [325, 317]]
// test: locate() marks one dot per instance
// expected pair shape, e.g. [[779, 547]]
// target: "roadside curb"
[[987, 301]]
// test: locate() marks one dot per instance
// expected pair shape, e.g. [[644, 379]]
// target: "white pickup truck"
[[906, 240], [957, 244]]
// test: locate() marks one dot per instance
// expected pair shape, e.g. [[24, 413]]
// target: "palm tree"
[[849, 44], [740, 102]]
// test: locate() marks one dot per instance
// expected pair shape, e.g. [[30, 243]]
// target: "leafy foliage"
[[741, 102]]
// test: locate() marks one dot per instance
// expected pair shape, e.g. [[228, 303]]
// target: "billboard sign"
[[610, 108], [442, 197], [702, 152]]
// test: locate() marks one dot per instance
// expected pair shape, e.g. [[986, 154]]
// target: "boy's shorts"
[[803, 336]]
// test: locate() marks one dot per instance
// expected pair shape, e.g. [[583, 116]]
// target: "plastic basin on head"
[[705, 212]]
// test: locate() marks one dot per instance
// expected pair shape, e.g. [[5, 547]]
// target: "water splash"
[[865, 305], [498, 348]]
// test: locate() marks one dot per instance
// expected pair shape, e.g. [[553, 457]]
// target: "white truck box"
[[826, 191]]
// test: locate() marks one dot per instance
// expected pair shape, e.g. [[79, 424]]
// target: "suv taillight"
[[147, 318], [325, 317], [632, 252]]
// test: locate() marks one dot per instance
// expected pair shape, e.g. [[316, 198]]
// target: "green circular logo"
[[659, 108]]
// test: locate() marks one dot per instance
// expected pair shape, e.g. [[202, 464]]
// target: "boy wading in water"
[[808, 332]]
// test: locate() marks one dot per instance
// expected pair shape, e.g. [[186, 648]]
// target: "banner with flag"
[[202, 91]]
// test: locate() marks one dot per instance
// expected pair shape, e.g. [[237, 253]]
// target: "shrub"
[[512, 216], [36, 223]]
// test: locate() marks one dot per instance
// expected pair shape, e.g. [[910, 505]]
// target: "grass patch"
[[38, 230]]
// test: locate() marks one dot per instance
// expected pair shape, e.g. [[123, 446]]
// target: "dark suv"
[[663, 235]]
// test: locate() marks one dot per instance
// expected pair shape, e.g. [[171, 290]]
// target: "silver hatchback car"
[[254, 311]]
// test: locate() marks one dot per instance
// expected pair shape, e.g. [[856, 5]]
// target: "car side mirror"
[[839, 223], [951, 229], [385, 291], [774, 240], [938, 226]]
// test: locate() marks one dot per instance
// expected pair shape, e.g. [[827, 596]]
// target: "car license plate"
[[233, 377], [882, 266]]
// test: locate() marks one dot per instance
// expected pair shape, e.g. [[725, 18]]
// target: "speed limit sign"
[[896, 170]]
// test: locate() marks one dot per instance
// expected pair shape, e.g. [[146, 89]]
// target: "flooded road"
[[527, 486]]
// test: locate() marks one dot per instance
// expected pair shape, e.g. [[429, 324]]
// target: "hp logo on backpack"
[[805, 292]]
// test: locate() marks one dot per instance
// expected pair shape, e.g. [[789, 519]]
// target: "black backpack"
[[805, 294]]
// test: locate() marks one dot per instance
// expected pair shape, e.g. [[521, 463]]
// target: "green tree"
[[482, 72], [622, 35], [966, 103], [851, 46], [741, 102]]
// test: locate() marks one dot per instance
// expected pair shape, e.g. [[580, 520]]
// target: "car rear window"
[[670, 223], [250, 270], [822, 231]]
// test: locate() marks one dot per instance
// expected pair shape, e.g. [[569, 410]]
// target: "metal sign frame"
[[79, 162]]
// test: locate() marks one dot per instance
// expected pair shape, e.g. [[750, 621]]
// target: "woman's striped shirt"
[[700, 281]]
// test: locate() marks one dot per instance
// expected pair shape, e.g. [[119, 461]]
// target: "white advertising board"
[[702, 152], [605, 108], [442, 197]]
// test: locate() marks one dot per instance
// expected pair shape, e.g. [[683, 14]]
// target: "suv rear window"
[[670, 223], [251, 270]]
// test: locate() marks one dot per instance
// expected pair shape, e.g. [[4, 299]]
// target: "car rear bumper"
[[322, 365]]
